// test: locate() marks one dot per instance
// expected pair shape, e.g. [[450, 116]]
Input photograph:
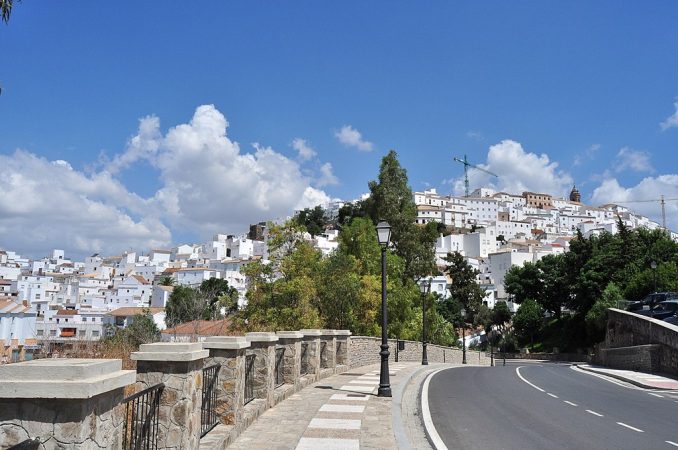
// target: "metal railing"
[[141, 419], [249, 378], [338, 357], [208, 415], [304, 358], [279, 366], [323, 356]]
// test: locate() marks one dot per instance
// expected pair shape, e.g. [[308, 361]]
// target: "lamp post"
[[384, 237], [425, 287], [653, 265], [463, 335]]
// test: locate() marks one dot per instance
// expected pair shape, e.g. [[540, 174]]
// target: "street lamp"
[[425, 287], [653, 265], [463, 334], [384, 237]]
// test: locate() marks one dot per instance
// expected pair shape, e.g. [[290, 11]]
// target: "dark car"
[[661, 311], [650, 301], [673, 320]]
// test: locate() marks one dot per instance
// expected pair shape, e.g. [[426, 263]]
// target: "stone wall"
[[570, 357], [365, 350], [633, 341]]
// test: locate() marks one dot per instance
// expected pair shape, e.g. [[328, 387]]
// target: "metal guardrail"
[[338, 345], [304, 358], [141, 419], [279, 366], [208, 415], [249, 378]]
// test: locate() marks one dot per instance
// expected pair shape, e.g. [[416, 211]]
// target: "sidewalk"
[[343, 412], [644, 380]]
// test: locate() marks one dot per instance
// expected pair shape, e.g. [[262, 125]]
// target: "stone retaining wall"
[[365, 350]]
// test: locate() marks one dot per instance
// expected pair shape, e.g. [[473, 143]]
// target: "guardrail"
[[141, 419], [208, 415], [279, 365], [249, 378], [304, 358]]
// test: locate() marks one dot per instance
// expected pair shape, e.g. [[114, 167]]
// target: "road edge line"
[[621, 378], [431, 433]]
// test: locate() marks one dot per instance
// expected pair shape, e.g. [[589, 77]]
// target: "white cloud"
[[650, 188], [47, 204], [475, 135], [351, 137], [518, 171], [588, 154], [208, 185], [305, 151], [326, 176], [630, 159], [672, 120]]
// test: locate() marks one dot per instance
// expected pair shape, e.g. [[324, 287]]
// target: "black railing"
[[208, 415], [141, 419], [249, 378], [304, 358], [279, 366], [339, 358], [323, 354]]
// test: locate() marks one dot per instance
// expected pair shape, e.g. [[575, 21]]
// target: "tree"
[[141, 330], [524, 282], [596, 317], [184, 305], [500, 314], [167, 281], [464, 288], [528, 320], [216, 294], [313, 219], [6, 9]]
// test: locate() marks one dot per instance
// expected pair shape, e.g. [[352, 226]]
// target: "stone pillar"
[[178, 365], [63, 403], [343, 343], [312, 340], [328, 358], [291, 342], [229, 351], [262, 345]]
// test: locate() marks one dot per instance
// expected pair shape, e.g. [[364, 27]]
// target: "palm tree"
[[166, 280], [6, 9]]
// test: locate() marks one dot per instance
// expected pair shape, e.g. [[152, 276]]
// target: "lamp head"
[[383, 233], [653, 264]]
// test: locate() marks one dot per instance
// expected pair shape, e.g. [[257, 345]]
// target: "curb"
[[625, 379]]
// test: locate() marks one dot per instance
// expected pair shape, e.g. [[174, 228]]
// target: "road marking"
[[630, 427], [594, 413], [570, 403], [552, 395], [671, 443], [337, 424], [656, 395], [433, 435], [523, 378], [606, 378]]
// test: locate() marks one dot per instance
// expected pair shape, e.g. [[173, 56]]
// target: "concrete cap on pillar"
[[261, 337], [342, 332], [308, 332], [66, 378], [226, 342], [170, 351], [289, 334]]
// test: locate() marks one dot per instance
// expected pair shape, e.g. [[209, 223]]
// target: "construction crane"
[[473, 166], [662, 201]]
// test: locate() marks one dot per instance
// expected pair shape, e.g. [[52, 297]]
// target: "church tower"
[[575, 196]]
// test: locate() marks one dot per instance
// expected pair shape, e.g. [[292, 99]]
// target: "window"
[[81, 333], [95, 333], [52, 332], [40, 332]]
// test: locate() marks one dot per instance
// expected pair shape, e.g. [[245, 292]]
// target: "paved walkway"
[[341, 412], [645, 380]]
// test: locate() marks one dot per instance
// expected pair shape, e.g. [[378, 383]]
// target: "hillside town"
[[58, 300]]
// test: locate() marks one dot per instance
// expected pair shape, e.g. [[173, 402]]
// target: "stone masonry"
[[262, 345]]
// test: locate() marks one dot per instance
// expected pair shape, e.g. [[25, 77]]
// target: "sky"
[[145, 124]]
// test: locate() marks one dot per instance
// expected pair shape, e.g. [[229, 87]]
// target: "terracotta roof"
[[132, 311], [9, 306], [6, 282], [67, 312], [166, 288], [171, 270], [202, 328], [140, 279]]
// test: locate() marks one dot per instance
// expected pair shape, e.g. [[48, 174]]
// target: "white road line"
[[656, 395], [433, 435], [337, 424], [523, 378], [606, 378], [671, 443], [328, 444], [569, 402], [594, 413], [630, 427], [552, 395]]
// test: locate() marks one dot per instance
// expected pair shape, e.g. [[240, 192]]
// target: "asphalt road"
[[548, 406]]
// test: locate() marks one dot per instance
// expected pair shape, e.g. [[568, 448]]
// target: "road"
[[548, 406]]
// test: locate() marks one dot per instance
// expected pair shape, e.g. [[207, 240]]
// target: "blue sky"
[[592, 86]]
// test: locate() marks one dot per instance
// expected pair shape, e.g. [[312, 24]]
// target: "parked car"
[[661, 311], [673, 320], [650, 301]]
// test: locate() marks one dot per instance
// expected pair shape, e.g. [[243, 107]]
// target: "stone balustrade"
[[73, 402]]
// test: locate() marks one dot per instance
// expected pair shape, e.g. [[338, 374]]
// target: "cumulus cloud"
[[351, 137], [630, 159], [650, 188], [305, 151], [672, 120], [208, 185], [587, 155], [518, 171], [47, 204]]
